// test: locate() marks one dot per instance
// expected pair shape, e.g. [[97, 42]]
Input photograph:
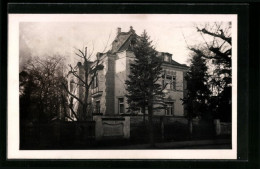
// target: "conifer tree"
[[198, 93], [143, 87], [217, 50]]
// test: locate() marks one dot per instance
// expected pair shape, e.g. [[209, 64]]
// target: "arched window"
[[72, 83]]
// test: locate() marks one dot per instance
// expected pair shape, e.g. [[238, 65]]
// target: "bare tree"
[[216, 48], [84, 75], [40, 81]]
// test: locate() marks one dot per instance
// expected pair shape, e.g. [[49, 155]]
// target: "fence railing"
[[57, 135]]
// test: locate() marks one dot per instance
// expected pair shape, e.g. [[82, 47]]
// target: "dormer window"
[[167, 58]]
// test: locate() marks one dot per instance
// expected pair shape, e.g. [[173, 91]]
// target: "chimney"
[[86, 51], [79, 64], [131, 29], [118, 30], [98, 55]]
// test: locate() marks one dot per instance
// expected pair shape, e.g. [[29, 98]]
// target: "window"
[[173, 86], [145, 111], [92, 85], [97, 106], [71, 102], [169, 81], [166, 58], [95, 82], [169, 111], [71, 85], [121, 106]]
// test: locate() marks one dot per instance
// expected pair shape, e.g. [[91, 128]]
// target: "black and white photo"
[[122, 86]]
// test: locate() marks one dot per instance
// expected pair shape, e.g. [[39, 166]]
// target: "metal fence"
[[57, 135]]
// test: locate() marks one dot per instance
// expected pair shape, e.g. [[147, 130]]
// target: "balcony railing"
[[96, 92]]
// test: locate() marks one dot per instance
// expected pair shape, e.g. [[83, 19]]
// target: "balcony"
[[96, 92]]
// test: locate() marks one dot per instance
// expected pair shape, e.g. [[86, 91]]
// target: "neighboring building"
[[108, 90]]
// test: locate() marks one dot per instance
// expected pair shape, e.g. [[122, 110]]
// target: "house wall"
[[102, 87], [106, 86], [112, 85], [120, 78], [110, 78], [122, 70], [175, 95], [75, 91], [81, 91], [78, 91], [99, 94]]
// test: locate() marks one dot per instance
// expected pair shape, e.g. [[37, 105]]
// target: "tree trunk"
[[190, 127], [162, 127], [150, 119], [190, 116], [87, 115], [143, 111]]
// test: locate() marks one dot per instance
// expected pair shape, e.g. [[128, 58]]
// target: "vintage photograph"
[[125, 82]]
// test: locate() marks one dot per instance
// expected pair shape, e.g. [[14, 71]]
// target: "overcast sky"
[[61, 36]]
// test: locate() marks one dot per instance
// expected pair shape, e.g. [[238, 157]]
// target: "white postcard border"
[[13, 151]]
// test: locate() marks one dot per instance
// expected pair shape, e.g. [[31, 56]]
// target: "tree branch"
[[107, 43], [221, 54], [82, 53], [91, 51], [79, 55], [66, 115], [72, 95], [83, 85], [75, 74], [221, 35], [95, 69], [73, 112]]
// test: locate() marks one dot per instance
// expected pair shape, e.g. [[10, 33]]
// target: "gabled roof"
[[173, 62], [123, 41], [170, 61]]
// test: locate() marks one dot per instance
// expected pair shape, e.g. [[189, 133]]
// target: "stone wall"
[[112, 127], [172, 128], [222, 128], [138, 120], [57, 135], [225, 128]]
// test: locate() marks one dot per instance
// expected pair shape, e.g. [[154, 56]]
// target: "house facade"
[[108, 90]]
